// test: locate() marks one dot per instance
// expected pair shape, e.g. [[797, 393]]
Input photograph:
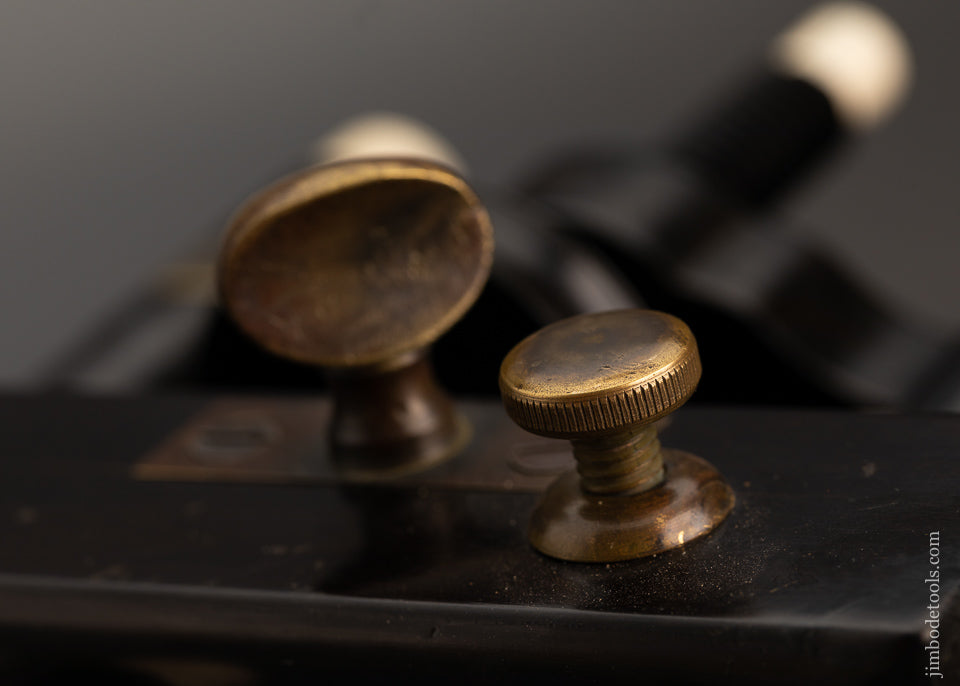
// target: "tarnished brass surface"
[[600, 373], [572, 524], [391, 422], [285, 440], [602, 380], [628, 462], [355, 263], [358, 267]]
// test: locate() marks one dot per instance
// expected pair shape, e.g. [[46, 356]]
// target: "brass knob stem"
[[624, 463], [357, 267], [390, 420]]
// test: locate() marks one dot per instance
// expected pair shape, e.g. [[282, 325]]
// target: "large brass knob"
[[602, 380], [358, 267]]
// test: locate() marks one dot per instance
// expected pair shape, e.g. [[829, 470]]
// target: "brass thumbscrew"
[[602, 380]]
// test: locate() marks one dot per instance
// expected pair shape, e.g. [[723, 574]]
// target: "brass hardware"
[[601, 380], [284, 440], [358, 267]]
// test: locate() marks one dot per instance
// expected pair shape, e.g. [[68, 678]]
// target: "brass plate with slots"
[[272, 440]]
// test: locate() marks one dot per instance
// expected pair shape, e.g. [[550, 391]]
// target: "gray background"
[[129, 130]]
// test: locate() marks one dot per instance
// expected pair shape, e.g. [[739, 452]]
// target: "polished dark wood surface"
[[818, 570]]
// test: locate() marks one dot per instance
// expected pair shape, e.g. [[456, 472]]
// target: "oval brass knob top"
[[356, 263], [600, 373]]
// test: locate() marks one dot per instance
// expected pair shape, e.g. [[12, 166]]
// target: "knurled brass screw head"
[[602, 380], [600, 374]]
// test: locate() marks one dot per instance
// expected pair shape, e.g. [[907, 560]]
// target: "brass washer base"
[[372, 463], [574, 525]]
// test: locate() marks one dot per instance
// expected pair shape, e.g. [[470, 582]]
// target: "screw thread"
[[619, 464]]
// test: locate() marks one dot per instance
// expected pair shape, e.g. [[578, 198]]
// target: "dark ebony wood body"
[[818, 574]]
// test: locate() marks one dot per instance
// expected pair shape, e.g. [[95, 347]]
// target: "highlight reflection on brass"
[[354, 263], [358, 267], [602, 380], [600, 374]]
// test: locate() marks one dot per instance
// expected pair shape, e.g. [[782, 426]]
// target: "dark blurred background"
[[131, 130]]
